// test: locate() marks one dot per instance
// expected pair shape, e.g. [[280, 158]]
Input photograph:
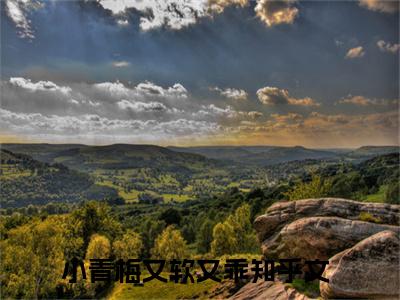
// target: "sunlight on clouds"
[[276, 12], [356, 52], [275, 96]]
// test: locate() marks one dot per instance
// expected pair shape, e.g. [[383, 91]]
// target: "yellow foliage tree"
[[129, 246], [170, 245], [99, 247]]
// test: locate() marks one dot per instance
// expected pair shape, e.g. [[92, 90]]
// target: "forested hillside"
[[27, 181]]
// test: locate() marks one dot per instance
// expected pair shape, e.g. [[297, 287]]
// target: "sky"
[[322, 74]]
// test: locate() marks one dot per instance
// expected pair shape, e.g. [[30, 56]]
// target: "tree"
[[150, 229], [32, 260], [224, 240], [171, 216], [392, 194], [129, 246], [204, 237], [92, 218], [170, 245], [314, 189], [235, 234], [99, 247]]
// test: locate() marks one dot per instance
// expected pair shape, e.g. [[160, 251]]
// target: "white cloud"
[[39, 86], [356, 52], [137, 106], [120, 64], [385, 6], [17, 11], [178, 14], [215, 111], [276, 12], [231, 93], [275, 96], [172, 14], [87, 125], [388, 47], [116, 89], [363, 101]]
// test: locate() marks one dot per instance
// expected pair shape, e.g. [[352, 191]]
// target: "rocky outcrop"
[[268, 290], [319, 237], [282, 213], [361, 241], [370, 269]]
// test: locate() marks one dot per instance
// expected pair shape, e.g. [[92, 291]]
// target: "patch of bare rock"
[[360, 240]]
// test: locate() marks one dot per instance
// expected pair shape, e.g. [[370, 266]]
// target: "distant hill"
[[258, 155], [116, 156], [25, 180], [370, 151]]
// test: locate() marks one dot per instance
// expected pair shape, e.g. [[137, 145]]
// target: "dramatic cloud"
[[388, 47], [218, 6], [120, 64], [178, 14], [275, 96], [146, 111], [38, 86], [172, 14], [91, 125], [363, 101], [319, 130], [142, 106], [17, 11], [276, 12], [231, 93], [356, 52], [385, 6]]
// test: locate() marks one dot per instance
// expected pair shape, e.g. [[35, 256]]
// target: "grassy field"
[[159, 290], [378, 196]]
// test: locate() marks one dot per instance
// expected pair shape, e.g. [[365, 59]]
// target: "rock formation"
[[361, 241], [370, 269]]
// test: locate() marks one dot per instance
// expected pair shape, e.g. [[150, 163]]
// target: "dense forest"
[[52, 211]]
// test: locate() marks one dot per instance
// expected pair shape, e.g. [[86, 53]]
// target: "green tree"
[[129, 246], [316, 188], [392, 194], [170, 244], [204, 237], [235, 234], [224, 240]]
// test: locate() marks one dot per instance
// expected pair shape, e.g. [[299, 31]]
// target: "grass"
[[12, 172], [131, 196], [176, 197], [379, 196], [367, 217], [310, 289], [159, 290]]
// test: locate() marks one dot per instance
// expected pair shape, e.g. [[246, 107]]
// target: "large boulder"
[[370, 269], [319, 237], [268, 290], [282, 213]]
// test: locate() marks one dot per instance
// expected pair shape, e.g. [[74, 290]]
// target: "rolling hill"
[[25, 181]]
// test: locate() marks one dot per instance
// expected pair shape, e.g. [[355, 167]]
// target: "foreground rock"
[[370, 270], [319, 237], [268, 290], [282, 213]]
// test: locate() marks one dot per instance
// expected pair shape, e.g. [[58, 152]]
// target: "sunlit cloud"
[[385, 6], [275, 96], [388, 47], [276, 12], [356, 52]]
